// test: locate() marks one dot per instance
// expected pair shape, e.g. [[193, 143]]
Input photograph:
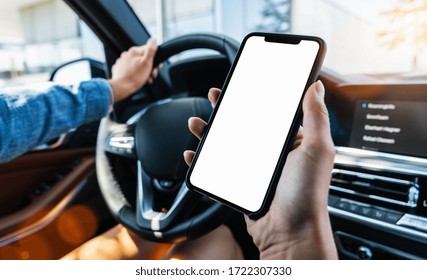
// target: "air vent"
[[374, 187]]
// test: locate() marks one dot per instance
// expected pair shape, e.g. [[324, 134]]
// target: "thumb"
[[151, 48], [316, 117]]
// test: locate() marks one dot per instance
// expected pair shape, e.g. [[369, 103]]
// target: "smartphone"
[[241, 155]]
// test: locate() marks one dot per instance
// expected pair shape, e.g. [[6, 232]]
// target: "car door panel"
[[34, 184]]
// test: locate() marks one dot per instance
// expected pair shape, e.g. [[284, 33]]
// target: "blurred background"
[[384, 39]]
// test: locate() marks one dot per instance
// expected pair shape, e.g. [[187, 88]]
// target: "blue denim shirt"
[[31, 116]]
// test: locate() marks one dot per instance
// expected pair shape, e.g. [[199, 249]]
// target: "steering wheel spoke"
[[160, 220]]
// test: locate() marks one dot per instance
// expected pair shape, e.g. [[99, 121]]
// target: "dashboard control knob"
[[364, 253]]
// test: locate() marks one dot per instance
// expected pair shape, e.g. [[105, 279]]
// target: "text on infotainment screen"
[[397, 127]]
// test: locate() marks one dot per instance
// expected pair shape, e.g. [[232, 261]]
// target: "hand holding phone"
[[239, 166]]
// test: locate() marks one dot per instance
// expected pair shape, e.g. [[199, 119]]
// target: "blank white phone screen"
[[243, 146]]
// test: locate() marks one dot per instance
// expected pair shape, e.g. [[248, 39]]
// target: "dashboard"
[[378, 189]]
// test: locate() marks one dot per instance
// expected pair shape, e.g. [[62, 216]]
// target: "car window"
[[36, 36], [382, 39]]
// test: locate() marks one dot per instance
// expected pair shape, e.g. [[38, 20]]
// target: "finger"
[[153, 76], [123, 54], [159, 67], [188, 156], [298, 139], [299, 134], [296, 144], [154, 73], [197, 126], [213, 95], [316, 118], [150, 49], [137, 50]]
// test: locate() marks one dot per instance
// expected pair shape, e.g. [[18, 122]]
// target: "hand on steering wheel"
[[155, 138]]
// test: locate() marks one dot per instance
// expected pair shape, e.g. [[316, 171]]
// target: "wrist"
[[111, 91], [311, 239], [120, 89], [281, 245]]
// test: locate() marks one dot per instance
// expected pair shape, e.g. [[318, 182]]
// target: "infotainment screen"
[[396, 127]]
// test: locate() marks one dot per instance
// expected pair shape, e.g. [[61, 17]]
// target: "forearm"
[[32, 116]]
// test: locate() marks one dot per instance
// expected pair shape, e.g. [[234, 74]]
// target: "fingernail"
[[320, 89], [152, 42], [189, 120]]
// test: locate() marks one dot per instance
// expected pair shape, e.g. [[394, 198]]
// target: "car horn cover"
[[163, 135]]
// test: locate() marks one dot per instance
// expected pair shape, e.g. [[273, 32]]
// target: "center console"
[[378, 189], [381, 195]]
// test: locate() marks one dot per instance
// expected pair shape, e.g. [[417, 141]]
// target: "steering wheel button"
[[126, 142]]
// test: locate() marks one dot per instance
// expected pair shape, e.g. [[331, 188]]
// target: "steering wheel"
[[155, 138]]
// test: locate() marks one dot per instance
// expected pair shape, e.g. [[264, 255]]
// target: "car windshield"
[[374, 39], [368, 40]]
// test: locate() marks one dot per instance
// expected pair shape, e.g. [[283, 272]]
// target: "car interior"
[[128, 168]]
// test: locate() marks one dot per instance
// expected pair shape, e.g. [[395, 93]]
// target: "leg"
[[118, 244], [216, 245]]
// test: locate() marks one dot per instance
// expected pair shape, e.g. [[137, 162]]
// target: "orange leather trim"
[[28, 170]]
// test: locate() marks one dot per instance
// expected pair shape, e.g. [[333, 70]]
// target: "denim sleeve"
[[31, 116]]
